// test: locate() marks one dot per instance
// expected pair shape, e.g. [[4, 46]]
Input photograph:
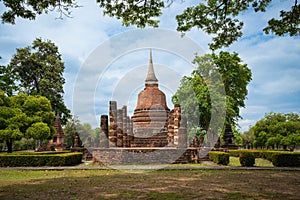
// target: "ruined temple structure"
[[152, 124], [57, 142], [154, 134], [228, 138]]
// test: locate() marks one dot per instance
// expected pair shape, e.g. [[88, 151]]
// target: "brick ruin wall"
[[114, 156], [121, 132], [119, 146]]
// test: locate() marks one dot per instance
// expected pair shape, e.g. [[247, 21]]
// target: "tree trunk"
[[9, 145]]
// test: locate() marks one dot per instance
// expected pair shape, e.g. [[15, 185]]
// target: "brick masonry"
[[116, 156]]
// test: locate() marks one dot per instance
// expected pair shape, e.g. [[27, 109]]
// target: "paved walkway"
[[210, 166]]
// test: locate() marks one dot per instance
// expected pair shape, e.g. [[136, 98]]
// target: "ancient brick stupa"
[[57, 142], [154, 134], [151, 113]]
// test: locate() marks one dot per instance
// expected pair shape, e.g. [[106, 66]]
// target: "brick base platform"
[[111, 156]]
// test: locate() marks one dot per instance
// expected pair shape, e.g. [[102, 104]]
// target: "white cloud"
[[245, 124], [274, 61], [254, 110], [289, 83]]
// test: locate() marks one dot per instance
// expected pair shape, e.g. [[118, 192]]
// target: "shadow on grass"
[[163, 184]]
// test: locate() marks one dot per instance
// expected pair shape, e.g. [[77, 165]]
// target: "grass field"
[[162, 184], [259, 162]]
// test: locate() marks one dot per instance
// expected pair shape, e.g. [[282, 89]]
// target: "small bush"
[[236, 153], [247, 159], [221, 158]]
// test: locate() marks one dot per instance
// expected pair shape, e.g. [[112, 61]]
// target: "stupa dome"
[[151, 112], [151, 97]]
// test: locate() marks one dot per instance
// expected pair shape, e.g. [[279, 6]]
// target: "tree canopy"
[[30, 9], [277, 129], [195, 92], [24, 116], [7, 81], [38, 70], [87, 135], [219, 18]]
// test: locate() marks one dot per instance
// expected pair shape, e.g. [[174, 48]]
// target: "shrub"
[[38, 159], [247, 159], [286, 159], [236, 153], [221, 158]]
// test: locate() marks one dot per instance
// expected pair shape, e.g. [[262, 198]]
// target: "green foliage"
[[221, 158], [286, 159], [277, 129], [247, 159], [278, 158], [38, 130], [85, 131], [7, 83], [236, 153], [29, 9], [39, 71], [248, 139], [195, 93], [259, 162], [134, 12], [218, 18], [38, 159], [287, 24], [24, 116]]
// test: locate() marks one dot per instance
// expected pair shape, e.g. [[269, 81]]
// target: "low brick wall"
[[155, 141], [154, 155]]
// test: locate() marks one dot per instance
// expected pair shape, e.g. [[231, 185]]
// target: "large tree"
[[24, 116], [30, 9], [277, 129], [7, 81], [219, 18], [200, 91], [39, 71]]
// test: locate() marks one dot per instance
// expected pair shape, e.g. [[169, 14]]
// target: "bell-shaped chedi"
[[151, 112]]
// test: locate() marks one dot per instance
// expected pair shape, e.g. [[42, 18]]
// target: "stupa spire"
[[151, 78]]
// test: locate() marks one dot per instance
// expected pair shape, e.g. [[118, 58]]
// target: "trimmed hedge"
[[40, 152], [236, 153], [278, 158], [247, 159], [286, 160], [38, 159], [221, 158]]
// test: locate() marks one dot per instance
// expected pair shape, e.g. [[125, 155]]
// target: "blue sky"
[[105, 60]]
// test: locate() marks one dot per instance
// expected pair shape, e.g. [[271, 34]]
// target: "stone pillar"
[[104, 132], [128, 131], [125, 135], [177, 117], [131, 137], [182, 133], [119, 128], [171, 127], [113, 123]]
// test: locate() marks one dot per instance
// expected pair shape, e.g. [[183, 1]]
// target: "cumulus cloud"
[[98, 66]]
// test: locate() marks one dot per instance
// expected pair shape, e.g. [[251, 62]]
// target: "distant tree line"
[[87, 134], [274, 131]]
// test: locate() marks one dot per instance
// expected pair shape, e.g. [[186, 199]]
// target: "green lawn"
[[259, 162], [162, 184]]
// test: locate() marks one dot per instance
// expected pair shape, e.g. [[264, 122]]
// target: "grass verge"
[[162, 184]]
